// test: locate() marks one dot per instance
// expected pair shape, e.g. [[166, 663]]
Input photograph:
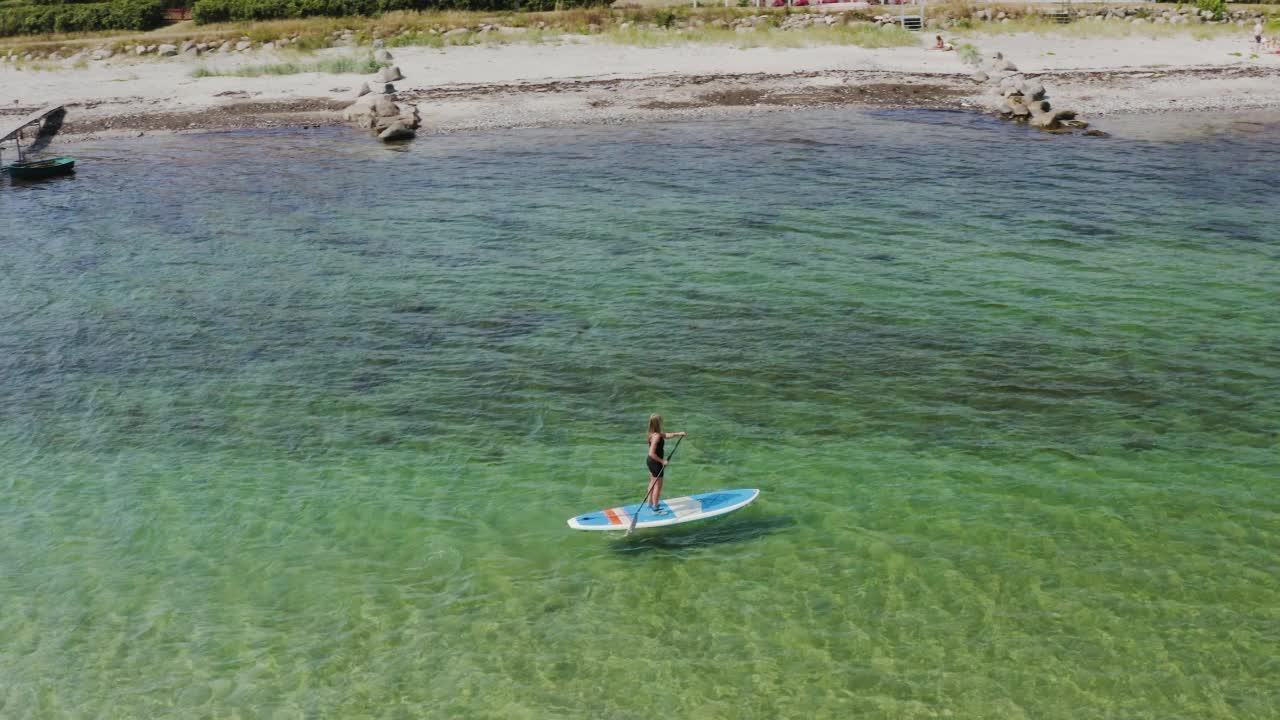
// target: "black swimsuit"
[[655, 467]]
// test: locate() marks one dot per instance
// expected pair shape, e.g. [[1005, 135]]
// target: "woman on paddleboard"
[[656, 461]]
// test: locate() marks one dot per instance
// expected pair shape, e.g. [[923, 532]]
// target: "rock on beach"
[[376, 108]]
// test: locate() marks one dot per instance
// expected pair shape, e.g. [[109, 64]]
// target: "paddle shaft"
[[636, 515]]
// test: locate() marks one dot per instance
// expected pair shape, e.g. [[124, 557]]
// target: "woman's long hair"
[[655, 425]]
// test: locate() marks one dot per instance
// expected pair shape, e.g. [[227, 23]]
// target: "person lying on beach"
[[941, 44]]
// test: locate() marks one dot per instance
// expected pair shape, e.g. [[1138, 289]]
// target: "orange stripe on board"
[[613, 517]]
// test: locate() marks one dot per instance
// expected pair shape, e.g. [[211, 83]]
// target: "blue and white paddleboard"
[[679, 510]]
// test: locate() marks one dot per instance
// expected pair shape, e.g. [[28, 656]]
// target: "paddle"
[[636, 515]]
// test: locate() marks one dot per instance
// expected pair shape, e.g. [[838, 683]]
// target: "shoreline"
[[543, 85]]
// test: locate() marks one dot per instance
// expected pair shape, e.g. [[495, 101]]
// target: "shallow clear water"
[[290, 424]]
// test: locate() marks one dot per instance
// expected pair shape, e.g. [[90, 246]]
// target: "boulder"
[[384, 106], [1036, 107], [167, 50], [140, 50], [388, 74], [409, 115], [980, 76], [1032, 89], [382, 56], [1045, 121], [1004, 65], [396, 132], [362, 90], [1010, 85], [225, 47], [1013, 106], [243, 45], [361, 112], [1052, 120], [186, 45]]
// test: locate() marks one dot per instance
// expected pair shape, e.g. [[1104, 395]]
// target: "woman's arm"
[[674, 435]]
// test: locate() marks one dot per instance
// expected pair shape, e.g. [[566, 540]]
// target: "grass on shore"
[[331, 66], [867, 36], [1083, 29], [650, 27], [440, 41]]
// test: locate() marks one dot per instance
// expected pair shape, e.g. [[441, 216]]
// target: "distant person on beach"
[[941, 44], [656, 461], [1257, 32]]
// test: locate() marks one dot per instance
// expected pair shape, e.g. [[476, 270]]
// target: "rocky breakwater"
[[377, 108], [1019, 98]]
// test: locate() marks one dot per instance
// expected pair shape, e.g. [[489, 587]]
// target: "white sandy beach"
[[587, 79]]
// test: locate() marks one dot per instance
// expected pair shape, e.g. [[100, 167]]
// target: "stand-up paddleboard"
[[679, 510]]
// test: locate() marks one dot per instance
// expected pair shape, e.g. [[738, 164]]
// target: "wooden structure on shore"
[[12, 129]]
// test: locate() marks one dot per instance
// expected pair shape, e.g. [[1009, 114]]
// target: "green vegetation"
[[211, 11], [867, 36], [1217, 7], [437, 40], [38, 18], [331, 66], [1043, 26]]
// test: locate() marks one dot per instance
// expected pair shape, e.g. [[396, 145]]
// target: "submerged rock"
[[396, 132]]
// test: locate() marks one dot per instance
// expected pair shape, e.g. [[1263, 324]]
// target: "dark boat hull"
[[34, 170]]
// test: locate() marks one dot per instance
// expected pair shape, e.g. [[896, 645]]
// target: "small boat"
[[47, 123], [36, 169]]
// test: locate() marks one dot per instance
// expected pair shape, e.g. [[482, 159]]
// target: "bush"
[[211, 11], [1217, 7], [82, 17]]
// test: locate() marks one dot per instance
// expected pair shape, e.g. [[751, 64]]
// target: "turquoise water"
[[290, 424]]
